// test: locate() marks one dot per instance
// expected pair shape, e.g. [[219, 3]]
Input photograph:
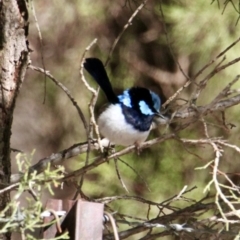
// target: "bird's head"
[[142, 100]]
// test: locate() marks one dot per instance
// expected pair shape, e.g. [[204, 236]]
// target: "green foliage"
[[27, 219]]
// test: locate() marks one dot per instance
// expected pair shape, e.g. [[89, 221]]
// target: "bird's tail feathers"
[[95, 68]]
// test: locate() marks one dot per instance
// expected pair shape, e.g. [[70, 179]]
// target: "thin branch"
[[129, 23], [47, 73], [92, 90], [119, 175], [135, 171], [176, 61], [203, 82], [218, 56], [41, 50], [114, 227], [219, 106], [9, 188], [91, 110]]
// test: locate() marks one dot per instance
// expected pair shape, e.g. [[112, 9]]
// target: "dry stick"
[[203, 83], [123, 30], [173, 55], [176, 93], [180, 193], [47, 73], [107, 200], [218, 153], [234, 187], [188, 211], [229, 47], [236, 148], [58, 158], [114, 227], [169, 44], [9, 188], [200, 72], [92, 90], [94, 94], [92, 118], [41, 46], [57, 219], [187, 150], [216, 70], [99, 160], [233, 5], [224, 92], [171, 199], [215, 172], [119, 175], [216, 183], [219, 106], [135, 171], [218, 56], [202, 141]]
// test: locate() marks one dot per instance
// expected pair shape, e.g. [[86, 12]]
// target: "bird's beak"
[[158, 114], [159, 119]]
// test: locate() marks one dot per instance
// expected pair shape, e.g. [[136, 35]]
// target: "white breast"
[[113, 126]]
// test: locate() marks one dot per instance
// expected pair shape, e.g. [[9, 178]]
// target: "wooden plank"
[[56, 205], [84, 221]]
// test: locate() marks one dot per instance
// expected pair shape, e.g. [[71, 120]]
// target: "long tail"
[[96, 69]]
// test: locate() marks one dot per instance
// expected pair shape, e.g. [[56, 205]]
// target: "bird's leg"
[[107, 151], [138, 148], [108, 147]]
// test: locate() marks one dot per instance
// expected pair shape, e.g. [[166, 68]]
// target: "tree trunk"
[[14, 57]]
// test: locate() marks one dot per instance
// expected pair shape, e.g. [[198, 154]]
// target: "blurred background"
[[198, 31]]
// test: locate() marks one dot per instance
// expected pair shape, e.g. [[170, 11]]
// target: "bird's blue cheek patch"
[[144, 108], [125, 99]]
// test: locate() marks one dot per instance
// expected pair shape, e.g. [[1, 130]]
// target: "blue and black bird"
[[128, 118]]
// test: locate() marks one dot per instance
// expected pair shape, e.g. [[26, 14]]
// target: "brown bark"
[[14, 56]]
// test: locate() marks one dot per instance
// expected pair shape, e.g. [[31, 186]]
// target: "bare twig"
[[218, 56], [9, 188], [47, 73], [176, 61], [91, 110], [114, 227], [129, 23], [119, 175], [134, 170], [92, 90], [216, 70], [98, 161], [41, 46], [224, 92]]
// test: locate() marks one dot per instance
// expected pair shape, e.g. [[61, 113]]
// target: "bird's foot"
[[138, 148], [107, 151]]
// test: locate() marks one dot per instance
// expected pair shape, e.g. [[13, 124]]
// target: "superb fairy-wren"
[[128, 118]]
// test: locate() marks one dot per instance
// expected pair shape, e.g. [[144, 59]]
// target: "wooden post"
[[84, 220]]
